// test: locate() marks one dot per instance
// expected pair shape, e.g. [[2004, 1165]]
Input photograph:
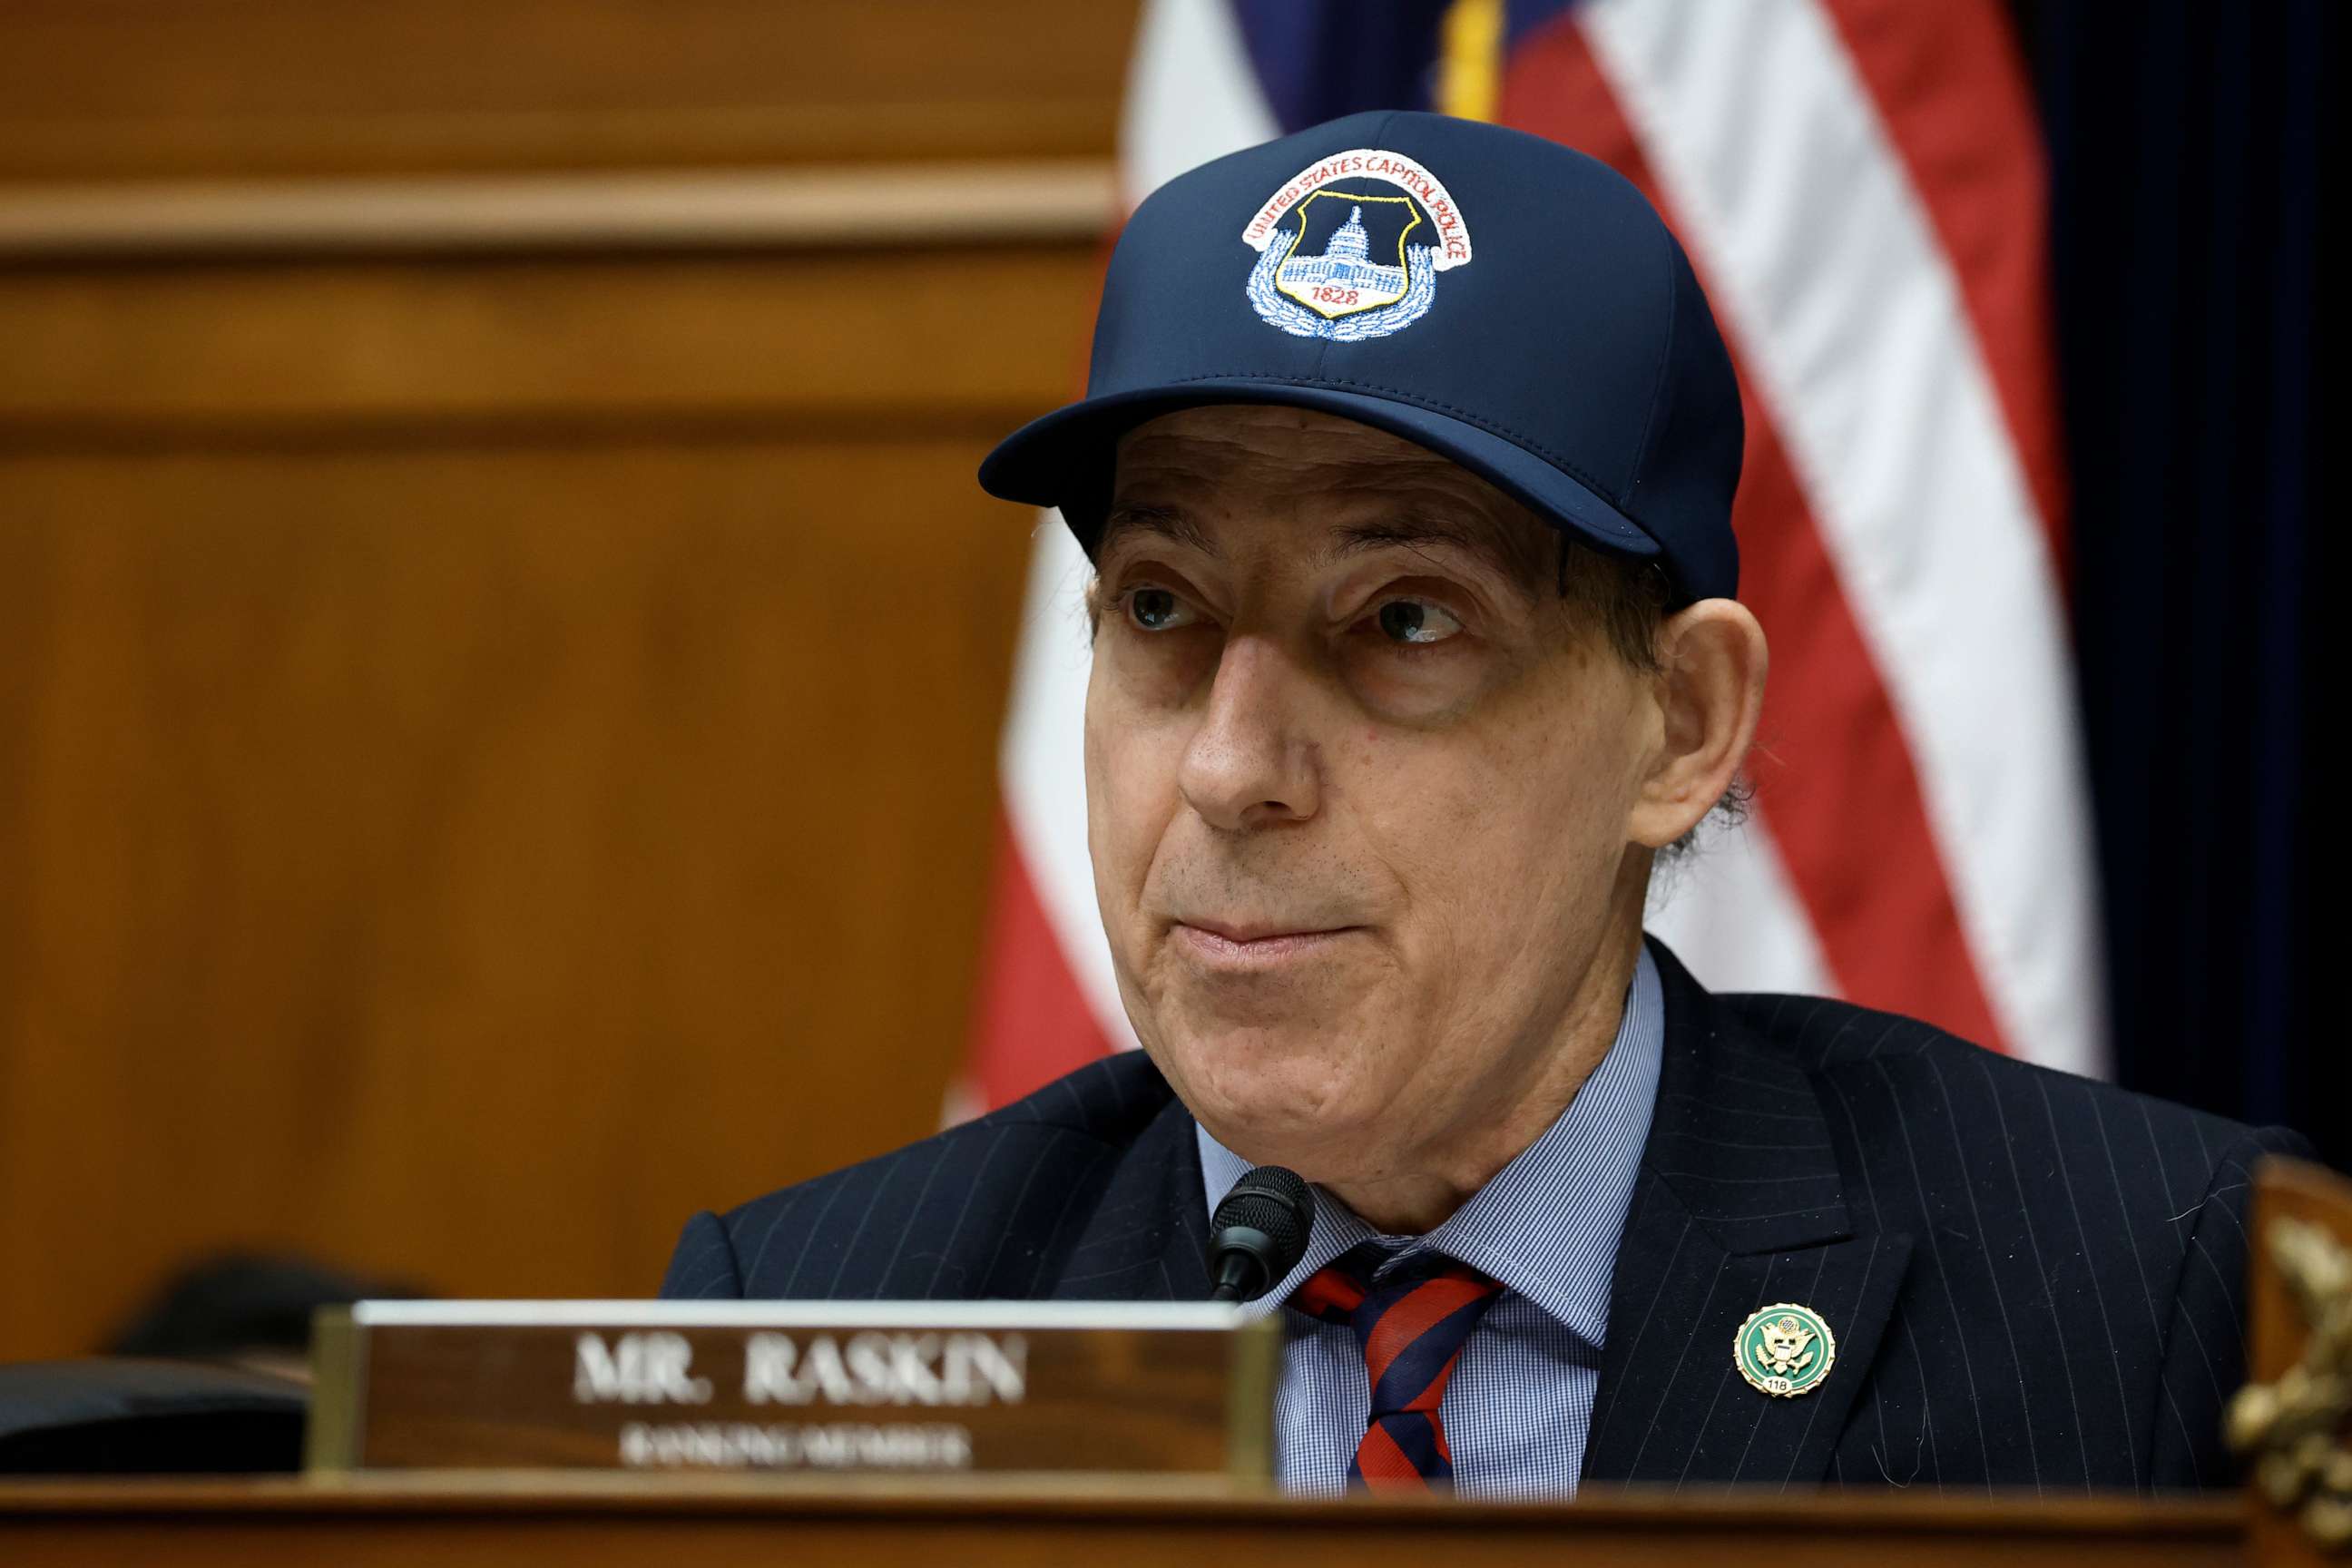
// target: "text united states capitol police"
[[1396, 169]]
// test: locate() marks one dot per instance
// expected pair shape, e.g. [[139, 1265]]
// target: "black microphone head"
[[1259, 1232]]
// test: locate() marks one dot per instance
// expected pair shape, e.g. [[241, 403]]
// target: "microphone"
[[1258, 1234]]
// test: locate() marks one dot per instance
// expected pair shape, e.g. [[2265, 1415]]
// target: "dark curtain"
[[2193, 149]]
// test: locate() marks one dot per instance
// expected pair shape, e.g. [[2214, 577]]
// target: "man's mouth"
[[1236, 944]]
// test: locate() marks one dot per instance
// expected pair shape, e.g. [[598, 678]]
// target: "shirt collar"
[[1547, 1224]]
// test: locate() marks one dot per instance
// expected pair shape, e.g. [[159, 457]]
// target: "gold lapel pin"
[[1784, 1350]]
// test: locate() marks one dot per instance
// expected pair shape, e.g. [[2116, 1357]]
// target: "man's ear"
[[1710, 692]]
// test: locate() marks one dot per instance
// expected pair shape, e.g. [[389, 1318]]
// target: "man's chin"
[[1294, 1011], [1285, 1112]]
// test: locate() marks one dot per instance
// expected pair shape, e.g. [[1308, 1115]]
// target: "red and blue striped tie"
[[1411, 1329]]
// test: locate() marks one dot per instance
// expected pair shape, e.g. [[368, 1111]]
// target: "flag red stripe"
[[1835, 777], [1951, 90], [1030, 1020], [1834, 773]]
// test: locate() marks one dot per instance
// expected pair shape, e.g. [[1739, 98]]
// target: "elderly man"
[[1406, 470]]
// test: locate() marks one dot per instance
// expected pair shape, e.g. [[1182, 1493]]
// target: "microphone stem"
[[1236, 1276]]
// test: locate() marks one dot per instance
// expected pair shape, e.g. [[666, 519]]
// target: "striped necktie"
[[1411, 1328]]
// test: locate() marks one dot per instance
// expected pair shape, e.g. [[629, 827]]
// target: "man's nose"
[[1251, 762]]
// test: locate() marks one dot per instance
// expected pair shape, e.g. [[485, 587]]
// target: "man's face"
[[1357, 789]]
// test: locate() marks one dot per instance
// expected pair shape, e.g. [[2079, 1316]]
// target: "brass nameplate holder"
[[783, 1386]]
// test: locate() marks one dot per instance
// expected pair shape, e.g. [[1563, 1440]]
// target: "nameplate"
[[998, 1387]]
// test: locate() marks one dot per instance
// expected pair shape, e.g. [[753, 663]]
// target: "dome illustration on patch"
[[1351, 247]]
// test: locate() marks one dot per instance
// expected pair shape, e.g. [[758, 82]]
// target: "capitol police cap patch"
[[1498, 299]]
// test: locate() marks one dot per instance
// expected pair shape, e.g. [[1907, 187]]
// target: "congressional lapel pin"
[[1784, 1350]]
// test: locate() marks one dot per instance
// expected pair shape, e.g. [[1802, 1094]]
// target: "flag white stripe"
[[1731, 916], [1191, 96], [1042, 761], [1825, 272]]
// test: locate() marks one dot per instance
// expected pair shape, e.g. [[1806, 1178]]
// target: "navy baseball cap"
[[1497, 297]]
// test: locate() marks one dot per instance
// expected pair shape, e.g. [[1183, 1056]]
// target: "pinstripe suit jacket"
[[2035, 1279]]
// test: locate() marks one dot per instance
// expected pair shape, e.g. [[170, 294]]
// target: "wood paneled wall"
[[497, 733], [113, 89]]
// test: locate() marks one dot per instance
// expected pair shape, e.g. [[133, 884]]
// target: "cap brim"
[[1064, 458]]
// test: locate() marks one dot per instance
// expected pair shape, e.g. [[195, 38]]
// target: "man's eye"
[[1415, 621], [1157, 610]]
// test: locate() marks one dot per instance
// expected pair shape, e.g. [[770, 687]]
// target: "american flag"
[[1860, 184]]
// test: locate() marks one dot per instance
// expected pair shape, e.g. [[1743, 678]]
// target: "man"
[[1406, 469]]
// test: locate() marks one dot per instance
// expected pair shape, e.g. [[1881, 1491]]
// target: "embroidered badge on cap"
[[1784, 1350], [1351, 247]]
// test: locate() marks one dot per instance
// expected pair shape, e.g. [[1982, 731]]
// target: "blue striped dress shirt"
[[1519, 1405]]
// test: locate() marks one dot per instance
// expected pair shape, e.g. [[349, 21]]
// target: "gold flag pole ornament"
[[2292, 1429]]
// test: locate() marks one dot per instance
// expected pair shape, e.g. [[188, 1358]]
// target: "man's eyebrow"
[[1160, 522], [1487, 543]]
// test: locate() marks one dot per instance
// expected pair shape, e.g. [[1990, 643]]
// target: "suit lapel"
[[1147, 1237], [1738, 1204]]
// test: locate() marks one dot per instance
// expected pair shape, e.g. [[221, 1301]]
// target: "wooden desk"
[[455, 1522]]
